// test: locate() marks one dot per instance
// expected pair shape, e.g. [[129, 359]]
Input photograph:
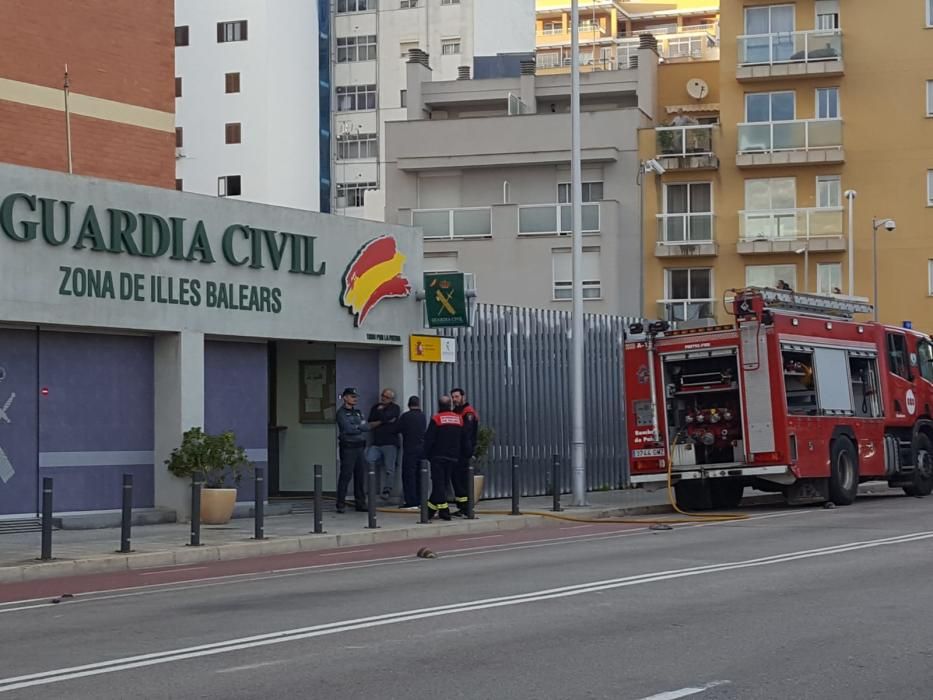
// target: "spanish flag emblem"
[[374, 274]]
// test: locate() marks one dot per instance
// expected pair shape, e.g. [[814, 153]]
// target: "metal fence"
[[514, 364]]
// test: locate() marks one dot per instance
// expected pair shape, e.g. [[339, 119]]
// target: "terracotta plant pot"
[[479, 480], [217, 505]]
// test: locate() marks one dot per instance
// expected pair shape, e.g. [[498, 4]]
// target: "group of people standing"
[[447, 440]]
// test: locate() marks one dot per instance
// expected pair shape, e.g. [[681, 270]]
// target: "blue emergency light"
[[908, 324]]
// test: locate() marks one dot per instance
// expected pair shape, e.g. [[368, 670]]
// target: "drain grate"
[[15, 527]]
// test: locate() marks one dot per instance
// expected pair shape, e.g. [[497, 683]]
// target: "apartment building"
[[483, 167], [118, 55], [372, 40], [609, 32], [252, 100], [813, 100]]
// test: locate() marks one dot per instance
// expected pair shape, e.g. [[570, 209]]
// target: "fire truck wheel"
[[727, 493], [923, 469], [843, 476]]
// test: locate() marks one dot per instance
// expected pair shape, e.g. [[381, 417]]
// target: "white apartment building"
[[248, 100], [371, 44]]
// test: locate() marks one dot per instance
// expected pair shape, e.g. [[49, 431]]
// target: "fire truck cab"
[[796, 396]]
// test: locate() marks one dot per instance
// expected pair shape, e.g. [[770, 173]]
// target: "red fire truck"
[[796, 396]]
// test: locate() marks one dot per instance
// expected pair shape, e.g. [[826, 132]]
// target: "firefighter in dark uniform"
[[460, 479], [445, 446]]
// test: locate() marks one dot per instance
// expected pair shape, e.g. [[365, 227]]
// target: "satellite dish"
[[697, 88]]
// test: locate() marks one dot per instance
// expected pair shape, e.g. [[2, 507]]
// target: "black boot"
[[445, 514]]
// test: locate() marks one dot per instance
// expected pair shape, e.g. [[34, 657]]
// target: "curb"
[[245, 549]]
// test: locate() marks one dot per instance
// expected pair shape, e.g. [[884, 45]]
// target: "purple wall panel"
[[236, 397], [359, 368], [99, 488], [18, 437]]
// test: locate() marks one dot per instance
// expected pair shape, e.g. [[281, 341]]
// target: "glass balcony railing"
[[790, 47], [684, 141], [556, 218], [685, 229], [790, 224], [675, 310], [794, 135], [472, 222]]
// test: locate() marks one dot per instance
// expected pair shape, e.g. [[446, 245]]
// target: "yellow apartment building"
[[610, 29], [809, 101]]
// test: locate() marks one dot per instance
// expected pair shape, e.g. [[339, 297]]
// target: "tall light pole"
[[578, 452], [806, 265], [876, 223], [850, 195]]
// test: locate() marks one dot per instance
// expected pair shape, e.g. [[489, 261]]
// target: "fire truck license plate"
[[649, 452]]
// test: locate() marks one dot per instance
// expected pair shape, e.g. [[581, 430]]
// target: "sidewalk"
[[94, 551]]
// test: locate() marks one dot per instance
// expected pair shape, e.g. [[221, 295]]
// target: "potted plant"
[[220, 461], [484, 437]]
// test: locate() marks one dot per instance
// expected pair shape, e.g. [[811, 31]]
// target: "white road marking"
[[172, 571], [352, 551], [474, 539], [330, 628], [685, 692], [230, 579], [251, 667]]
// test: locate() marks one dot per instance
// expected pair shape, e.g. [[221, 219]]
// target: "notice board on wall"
[[317, 391]]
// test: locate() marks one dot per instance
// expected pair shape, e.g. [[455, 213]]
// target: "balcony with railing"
[[439, 224], [816, 52], [685, 235], [792, 142], [555, 219], [687, 147], [790, 230], [685, 312]]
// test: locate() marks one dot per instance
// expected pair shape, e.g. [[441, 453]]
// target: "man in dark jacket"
[[351, 438], [460, 477], [445, 446], [384, 449], [411, 426]]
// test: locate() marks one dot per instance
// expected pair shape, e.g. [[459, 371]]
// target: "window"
[[181, 36], [770, 275], [925, 359], [232, 133], [548, 60], [450, 2], [179, 137], [403, 98], [356, 6], [441, 262], [930, 13], [592, 192], [450, 47], [231, 31], [356, 98], [231, 83], [930, 277], [354, 146], [930, 95], [827, 103], [352, 194], [687, 212], [177, 87], [553, 27], [770, 106], [827, 14], [930, 188], [771, 193], [828, 192], [408, 4], [228, 186], [897, 355], [351, 49], [769, 30], [829, 278], [689, 294], [562, 271], [179, 184]]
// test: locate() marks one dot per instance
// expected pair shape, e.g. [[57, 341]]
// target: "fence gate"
[[514, 364]]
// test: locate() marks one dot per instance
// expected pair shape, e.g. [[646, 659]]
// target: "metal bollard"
[[425, 485], [126, 518], [318, 499], [516, 487], [371, 497], [555, 483], [259, 510], [471, 488], [46, 518], [196, 484]]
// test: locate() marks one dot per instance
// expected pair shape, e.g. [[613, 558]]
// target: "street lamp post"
[[876, 223], [806, 264], [850, 195]]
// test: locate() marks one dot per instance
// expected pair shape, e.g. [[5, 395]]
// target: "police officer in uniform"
[[445, 445], [460, 479], [351, 437]]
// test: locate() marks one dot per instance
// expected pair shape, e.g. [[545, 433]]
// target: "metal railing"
[[791, 135], [537, 219], [685, 229], [790, 47], [469, 222], [675, 310], [790, 224], [692, 140]]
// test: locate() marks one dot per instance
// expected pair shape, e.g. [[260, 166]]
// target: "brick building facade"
[[120, 57]]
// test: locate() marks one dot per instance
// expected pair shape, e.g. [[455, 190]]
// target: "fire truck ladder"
[[815, 304]]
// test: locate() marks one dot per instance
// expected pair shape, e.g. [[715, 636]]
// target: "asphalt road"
[[794, 603]]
